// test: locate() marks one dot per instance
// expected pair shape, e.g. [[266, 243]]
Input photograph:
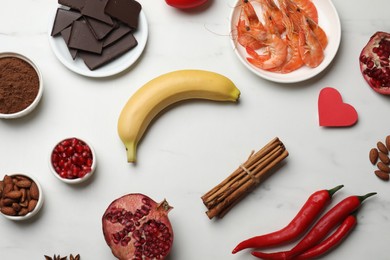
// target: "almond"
[[34, 192], [23, 184], [382, 147], [7, 202], [8, 211], [16, 206], [7, 179], [382, 175], [31, 205], [24, 195], [15, 194], [384, 158], [23, 212], [373, 155], [388, 142], [383, 167], [7, 188], [24, 204]]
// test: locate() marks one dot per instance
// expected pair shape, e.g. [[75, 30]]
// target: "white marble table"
[[192, 147]]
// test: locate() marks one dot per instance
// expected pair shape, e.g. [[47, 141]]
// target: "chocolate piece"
[[98, 28], [74, 4], [95, 9], [116, 34], [66, 36], [126, 11], [94, 61], [82, 38], [63, 19]]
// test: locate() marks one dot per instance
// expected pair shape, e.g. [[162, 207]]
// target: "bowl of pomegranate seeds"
[[21, 196], [72, 160]]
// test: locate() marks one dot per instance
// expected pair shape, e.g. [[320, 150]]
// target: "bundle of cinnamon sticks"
[[247, 176]]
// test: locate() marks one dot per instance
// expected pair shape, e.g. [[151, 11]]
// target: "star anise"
[[58, 257], [77, 257]]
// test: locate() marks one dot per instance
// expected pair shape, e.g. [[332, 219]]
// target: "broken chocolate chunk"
[[126, 11], [63, 19], [94, 61], [98, 28], [66, 36], [74, 4], [116, 34], [82, 38], [95, 9]]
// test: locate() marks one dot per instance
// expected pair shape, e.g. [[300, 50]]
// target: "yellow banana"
[[163, 91]]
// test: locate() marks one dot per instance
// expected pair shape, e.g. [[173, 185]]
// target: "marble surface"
[[192, 147]]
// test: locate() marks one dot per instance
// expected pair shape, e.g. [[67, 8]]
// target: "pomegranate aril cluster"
[[378, 68], [379, 156], [151, 238], [72, 158]]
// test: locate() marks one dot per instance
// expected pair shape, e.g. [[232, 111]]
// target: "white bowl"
[[37, 207], [75, 180], [40, 91]]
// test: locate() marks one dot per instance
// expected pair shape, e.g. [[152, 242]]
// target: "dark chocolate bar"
[[95, 9], [66, 36], [94, 61], [116, 34], [126, 11], [63, 19], [98, 28], [82, 38], [74, 4]]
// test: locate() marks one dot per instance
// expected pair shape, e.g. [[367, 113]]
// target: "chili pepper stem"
[[333, 191], [361, 198]]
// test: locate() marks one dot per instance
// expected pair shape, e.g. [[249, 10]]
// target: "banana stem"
[[131, 150]]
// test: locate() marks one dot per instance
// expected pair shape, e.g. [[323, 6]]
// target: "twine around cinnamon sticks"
[[247, 176]]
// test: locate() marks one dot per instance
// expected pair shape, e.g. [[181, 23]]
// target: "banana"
[[164, 90]]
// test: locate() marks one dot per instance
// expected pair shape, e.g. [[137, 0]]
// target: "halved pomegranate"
[[374, 62], [136, 227]]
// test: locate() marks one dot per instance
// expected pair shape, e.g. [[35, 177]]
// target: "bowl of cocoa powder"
[[21, 196], [21, 85]]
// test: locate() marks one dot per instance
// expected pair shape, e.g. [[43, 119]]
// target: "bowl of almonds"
[[21, 196]]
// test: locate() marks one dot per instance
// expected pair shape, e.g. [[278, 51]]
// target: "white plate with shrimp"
[[328, 20]]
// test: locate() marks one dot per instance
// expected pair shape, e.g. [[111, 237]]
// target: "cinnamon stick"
[[245, 178]]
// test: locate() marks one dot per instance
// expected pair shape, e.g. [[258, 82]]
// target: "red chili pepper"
[[335, 239], [305, 217], [326, 223]]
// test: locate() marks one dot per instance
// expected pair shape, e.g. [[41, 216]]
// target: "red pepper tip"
[[333, 191], [361, 198]]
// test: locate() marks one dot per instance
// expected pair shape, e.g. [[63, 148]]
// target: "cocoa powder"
[[19, 85]]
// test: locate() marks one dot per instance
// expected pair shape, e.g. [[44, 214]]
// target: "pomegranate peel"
[[374, 62], [136, 227]]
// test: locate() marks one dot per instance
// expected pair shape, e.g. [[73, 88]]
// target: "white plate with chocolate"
[[97, 42]]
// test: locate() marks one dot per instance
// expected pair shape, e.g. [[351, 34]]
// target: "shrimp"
[[250, 13], [272, 16], [308, 8], [294, 60], [275, 55], [310, 48], [319, 32], [250, 30]]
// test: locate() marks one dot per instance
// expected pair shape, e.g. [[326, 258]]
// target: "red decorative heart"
[[333, 111]]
